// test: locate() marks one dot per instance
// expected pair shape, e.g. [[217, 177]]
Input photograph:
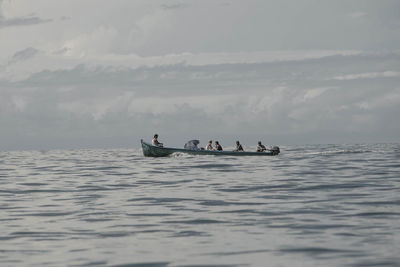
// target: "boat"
[[157, 151]]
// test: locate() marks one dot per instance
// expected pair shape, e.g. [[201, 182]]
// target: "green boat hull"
[[156, 151]]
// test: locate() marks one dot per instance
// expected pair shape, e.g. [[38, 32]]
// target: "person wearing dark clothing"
[[218, 146], [239, 147], [261, 147]]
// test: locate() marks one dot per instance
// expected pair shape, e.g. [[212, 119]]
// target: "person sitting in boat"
[[239, 147], [218, 146], [209, 145], [155, 141], [261, 147]]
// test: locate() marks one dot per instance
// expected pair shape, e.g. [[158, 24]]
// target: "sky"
[[104, 74]]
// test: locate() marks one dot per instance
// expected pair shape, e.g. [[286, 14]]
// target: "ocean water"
[[314, 205]]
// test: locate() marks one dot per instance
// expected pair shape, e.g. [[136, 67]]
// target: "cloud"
[[146, 29], [313, 93], [284, 101], [19, 21], [22, 21], [172, 70], [78, 51], [24, 54], [368, 75], [97, 42]]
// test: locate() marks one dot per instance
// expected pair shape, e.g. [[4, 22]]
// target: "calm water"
[[320, 205]]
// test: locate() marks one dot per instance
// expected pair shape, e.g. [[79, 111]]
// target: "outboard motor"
[[192, 145], [275, 150]]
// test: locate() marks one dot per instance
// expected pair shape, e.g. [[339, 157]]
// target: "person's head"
[[259, 142], [210, 142], [216, 142], [156, 136], [237, 142]]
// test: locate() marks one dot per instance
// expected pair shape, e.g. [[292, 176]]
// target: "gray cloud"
[[24, 54], [282, 102], [20, 21], [175, 77]]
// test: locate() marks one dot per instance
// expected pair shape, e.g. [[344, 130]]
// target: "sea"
[[312, 205]]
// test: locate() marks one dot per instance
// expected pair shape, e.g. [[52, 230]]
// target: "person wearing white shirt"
[[155, 141], [209, 145]]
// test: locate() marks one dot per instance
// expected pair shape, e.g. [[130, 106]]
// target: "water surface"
[[317, 205]]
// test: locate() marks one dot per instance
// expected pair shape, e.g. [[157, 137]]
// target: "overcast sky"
[[102, 73]]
